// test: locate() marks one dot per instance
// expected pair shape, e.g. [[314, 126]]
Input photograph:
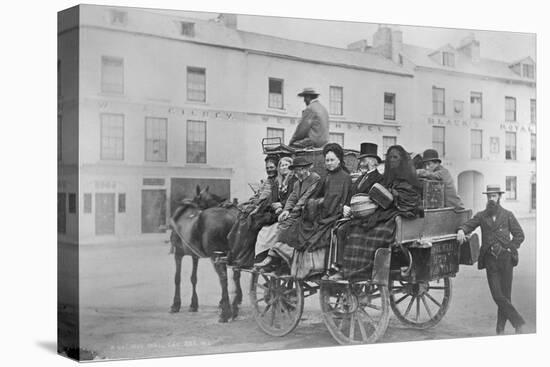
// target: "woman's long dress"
[[365, 236]]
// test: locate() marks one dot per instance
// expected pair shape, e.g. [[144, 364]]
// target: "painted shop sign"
[[105, 185], [507, 126], [452, 122], [514, 126], [366, 126]]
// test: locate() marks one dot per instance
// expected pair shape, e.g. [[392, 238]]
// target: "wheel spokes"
[[409, 306], [433, 300], [426, 306], [402, 299], [352, 327]]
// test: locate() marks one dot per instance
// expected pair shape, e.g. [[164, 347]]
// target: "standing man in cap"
[[501, 237], [312, 131], [435, 171], [368, 164]]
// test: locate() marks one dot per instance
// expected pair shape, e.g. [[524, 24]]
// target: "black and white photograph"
[[232, 181], [267, 192]]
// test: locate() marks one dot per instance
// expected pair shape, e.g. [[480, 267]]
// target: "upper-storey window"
[[476, 105], [112, 74], [275, 93], [528, 71], [336, 100], [510, 113], [196, 84], [438, 101], [389, 106], [188, 29], [448, 59]]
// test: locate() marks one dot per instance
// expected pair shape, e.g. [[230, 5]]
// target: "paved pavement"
[[126, 289]]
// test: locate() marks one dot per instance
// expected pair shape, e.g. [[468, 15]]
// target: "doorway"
[[104, 214], [153, 210], [470, 188]]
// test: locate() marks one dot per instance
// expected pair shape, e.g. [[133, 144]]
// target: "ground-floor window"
[[511, 187], [533, 196], [61, 212]]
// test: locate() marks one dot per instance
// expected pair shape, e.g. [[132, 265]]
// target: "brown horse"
[[199, 229]]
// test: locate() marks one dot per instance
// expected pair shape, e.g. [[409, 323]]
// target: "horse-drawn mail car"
[[412, 277]]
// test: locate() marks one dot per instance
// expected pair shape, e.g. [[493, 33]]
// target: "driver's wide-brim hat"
[[493, 189], [308, 91], [300, 162]]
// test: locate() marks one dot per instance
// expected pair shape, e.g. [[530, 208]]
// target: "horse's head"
[[205, 199]]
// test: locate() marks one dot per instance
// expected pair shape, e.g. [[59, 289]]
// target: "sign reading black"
[[153, 181]]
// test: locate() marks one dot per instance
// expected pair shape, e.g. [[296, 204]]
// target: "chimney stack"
[[388, 42], [228, 20], [361, 45], [470, 47]]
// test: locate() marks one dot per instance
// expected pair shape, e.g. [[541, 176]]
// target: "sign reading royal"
[[507, 126]]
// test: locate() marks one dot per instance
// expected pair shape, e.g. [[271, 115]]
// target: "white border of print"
[[29, 181]]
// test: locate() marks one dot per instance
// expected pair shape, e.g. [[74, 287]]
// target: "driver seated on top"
[[312, 131]]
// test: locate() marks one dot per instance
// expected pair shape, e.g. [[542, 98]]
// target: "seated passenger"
[[365, 236], [435, 171], [253, 215], [280, 192], [327, 203], [368, 164], [305, 185]]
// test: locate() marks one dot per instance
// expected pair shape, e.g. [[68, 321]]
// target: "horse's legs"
[[237, 300], [221, 270], [177, 280], [194, 299]]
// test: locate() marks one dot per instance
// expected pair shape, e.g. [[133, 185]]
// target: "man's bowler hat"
[[430, 155]]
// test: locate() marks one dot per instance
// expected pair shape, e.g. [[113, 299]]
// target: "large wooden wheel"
[[355, 313], [277, 303], [420, 305]]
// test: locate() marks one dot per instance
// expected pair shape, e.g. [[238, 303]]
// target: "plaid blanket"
[[361, 244]]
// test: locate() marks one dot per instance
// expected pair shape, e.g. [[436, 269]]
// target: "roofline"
[[478, 76], [248, 50]]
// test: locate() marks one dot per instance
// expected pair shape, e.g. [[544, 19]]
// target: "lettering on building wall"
[[518, 127], [105, 185], [512, 126], [452, 122]]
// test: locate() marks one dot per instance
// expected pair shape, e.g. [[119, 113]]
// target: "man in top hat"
[[312, 131], [435, 171], [368, 165], [501, 236]]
